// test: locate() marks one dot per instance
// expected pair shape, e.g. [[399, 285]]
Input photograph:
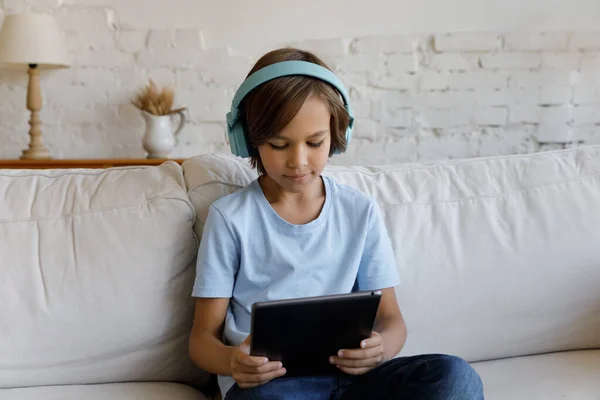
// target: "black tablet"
[[303, 333]]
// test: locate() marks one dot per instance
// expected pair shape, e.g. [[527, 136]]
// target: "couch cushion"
[[499, 256], [573, 375], [209, 177], [115, 391], [97, 270]]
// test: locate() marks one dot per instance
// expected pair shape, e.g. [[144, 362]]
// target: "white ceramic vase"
[[160, 138]]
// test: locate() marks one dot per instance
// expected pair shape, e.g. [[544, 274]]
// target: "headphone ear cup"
[[231, 139], [349, 129], [348, 136], [239, 138]]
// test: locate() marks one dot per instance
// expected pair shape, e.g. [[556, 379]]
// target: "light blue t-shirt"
[[249, 253]]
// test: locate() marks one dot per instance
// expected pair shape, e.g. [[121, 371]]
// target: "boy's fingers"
[[245, 345], [248, 340], [269, 367], [250, 380], [360, 353], [244, 348], [250, 361], [373, 341], [357, 363]]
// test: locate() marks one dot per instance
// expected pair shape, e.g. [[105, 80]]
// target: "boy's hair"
[[269, 108]]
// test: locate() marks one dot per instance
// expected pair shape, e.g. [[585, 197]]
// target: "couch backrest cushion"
[[498, 256], [95, 277]]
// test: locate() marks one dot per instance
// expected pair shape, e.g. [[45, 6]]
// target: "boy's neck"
[[274, 193]]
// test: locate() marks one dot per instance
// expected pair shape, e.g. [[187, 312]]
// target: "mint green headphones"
[[238, 139]]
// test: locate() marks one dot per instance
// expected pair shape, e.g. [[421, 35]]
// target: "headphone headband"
[[287, 68], [237, 137]]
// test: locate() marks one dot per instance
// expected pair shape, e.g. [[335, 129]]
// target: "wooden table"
[[81, 163]]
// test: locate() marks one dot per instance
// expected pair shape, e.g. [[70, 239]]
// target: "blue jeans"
[[431, 377]]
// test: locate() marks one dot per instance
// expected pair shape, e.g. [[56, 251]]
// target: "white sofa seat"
[[109, 391], [567, 375]]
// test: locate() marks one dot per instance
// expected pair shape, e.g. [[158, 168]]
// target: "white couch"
[[500, 260]]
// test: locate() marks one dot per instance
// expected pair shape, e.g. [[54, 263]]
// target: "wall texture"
[[428, 81]]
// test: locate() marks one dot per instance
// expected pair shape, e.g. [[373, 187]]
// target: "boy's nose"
[[297, 158]]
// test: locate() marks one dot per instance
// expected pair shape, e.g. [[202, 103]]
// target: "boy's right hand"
[[249, 371]]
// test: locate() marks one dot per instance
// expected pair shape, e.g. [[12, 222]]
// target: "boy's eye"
[[284, 146], [276, 147]]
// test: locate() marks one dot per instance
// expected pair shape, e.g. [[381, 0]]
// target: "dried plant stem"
[[155, 100]]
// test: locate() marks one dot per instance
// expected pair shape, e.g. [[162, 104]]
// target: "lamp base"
[[36, 154], [36, 150]]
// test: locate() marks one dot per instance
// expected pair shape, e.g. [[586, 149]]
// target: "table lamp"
[[32, 41]]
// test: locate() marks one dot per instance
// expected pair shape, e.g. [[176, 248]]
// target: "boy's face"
[[296, 157]]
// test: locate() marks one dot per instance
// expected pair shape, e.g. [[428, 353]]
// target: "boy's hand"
[[360, 361], [250, 371]]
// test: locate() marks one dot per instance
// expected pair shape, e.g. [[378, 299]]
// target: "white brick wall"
[[416, 97]]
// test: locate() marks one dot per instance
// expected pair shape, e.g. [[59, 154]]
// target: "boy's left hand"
[[360, 361]]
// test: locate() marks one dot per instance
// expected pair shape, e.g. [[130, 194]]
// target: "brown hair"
[[269, 108]]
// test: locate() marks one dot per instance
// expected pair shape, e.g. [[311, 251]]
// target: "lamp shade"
[[31, 38]]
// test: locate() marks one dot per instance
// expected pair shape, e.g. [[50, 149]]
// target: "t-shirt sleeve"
[[218, 258], [377, 269]]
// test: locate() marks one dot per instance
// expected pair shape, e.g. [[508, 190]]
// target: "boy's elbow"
[[404, 328], [193, 346], [404, 333]]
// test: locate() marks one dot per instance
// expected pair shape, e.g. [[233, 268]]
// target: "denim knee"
[[460, 378]]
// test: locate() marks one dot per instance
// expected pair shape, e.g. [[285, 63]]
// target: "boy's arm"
[[390, 324], [206, 348], [212, 355]]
